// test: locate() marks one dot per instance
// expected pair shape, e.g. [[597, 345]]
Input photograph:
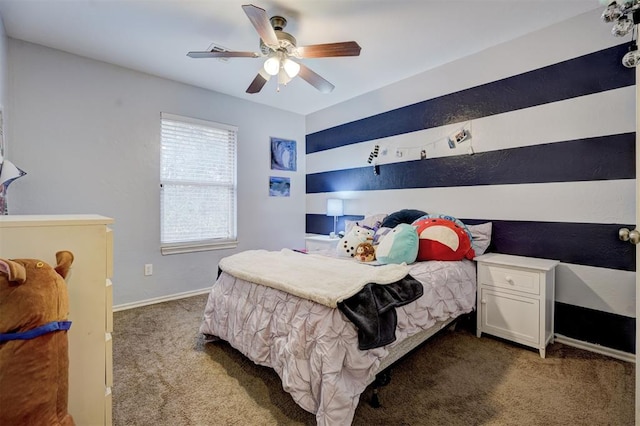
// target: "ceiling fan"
[[280, 49]]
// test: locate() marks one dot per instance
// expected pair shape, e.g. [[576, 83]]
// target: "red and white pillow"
[[441, 238]]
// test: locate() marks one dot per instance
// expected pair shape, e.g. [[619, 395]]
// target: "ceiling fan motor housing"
[[278, 22], [286, 41]]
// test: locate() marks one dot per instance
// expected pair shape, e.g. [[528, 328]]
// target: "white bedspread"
[[323, 279], [314, 348]]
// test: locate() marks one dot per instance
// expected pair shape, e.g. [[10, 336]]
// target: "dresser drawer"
[[509, 278]]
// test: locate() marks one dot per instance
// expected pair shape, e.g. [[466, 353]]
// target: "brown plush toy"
[[34, 350], [365, 252]]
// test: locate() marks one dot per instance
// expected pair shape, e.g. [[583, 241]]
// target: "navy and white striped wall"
[[550, 161]]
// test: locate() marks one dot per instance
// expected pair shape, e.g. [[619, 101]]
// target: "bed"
[[310, 343]]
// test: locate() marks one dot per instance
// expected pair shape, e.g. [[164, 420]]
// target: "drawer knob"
[[483, 301], [509, 279]]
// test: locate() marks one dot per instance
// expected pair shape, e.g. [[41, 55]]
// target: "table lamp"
[[335, 208]]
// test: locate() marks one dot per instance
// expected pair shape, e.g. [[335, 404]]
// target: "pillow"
[[380, 232], [372, 222], [442, 239], [480, 237], [447, 217], [398, 246], [401, 216]]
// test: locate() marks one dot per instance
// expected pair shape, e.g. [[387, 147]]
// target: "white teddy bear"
[[348, 244]]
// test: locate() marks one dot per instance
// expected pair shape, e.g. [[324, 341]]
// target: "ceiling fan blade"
[[315, 80], [261, 23], [258, 83], [347, 48], [222, 54]]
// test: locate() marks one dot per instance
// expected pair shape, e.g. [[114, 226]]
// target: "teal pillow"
[[398, 246]]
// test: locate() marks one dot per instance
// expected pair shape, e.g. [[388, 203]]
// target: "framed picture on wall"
[[279, 186], [283, 154]]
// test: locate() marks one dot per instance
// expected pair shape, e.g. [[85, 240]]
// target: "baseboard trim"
[[176, 296], [592, 347]]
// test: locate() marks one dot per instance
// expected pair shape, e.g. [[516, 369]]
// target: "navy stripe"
[[602, 328], [322, 224], [599, 158], [593, 73], [591, 244]]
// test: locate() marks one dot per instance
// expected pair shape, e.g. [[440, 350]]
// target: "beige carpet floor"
[[165, 375]]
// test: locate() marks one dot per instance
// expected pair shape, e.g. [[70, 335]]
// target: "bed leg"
[[382, 379], [375, 401]]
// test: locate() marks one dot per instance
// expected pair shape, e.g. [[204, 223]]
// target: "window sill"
[[195, 247]]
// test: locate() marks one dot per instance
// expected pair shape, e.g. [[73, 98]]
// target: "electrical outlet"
[[148, 269]]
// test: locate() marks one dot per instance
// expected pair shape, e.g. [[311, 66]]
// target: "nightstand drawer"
[[509, 278]]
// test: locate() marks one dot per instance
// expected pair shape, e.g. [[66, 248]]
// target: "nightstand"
[[516, 298], [320, 242]]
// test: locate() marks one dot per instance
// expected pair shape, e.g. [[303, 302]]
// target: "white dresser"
[[320, 242], [516, 299], [90, 240]]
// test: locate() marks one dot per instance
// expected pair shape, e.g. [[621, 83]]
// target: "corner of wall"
[[3, 65]]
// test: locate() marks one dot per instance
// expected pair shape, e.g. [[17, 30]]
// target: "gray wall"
[[87, 133], [3, 65]]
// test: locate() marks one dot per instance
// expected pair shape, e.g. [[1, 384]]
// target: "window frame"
[[204, 244]]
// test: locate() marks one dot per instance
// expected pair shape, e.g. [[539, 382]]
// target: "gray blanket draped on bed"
[[373, 310]]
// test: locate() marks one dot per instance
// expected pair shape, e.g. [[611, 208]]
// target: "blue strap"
[[36, 332]]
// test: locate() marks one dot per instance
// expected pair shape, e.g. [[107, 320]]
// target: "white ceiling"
[[399, 38]]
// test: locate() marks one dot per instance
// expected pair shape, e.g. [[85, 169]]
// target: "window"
[[198, 181]]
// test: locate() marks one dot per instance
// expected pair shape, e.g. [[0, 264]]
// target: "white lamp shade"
[[283, 77], [292, 68], [335, 207], [272, 65]]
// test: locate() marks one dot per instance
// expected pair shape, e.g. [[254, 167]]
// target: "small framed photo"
[[283, 154], [279, 186]]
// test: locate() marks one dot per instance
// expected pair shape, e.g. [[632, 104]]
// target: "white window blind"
[[198, 181]]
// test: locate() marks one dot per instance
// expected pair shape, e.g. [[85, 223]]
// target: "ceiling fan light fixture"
[[272, 65], [283, 78], [277, 46], [291, 68]]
